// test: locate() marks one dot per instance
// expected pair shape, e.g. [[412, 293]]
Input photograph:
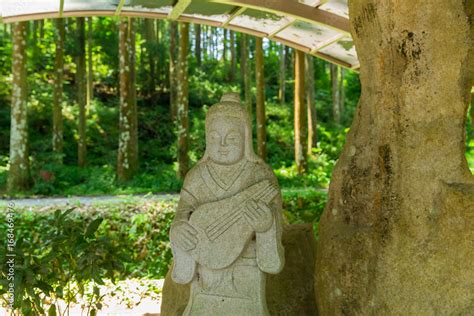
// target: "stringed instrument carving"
[[223, 231]]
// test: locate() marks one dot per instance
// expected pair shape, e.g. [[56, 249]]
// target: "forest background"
[[154, 58]]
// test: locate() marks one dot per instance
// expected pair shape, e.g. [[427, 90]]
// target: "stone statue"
[[227, 231]]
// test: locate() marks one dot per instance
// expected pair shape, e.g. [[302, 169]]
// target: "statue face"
[[225, 140]]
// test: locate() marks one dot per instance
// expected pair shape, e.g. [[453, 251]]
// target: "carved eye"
[[214, 136], [233, 138]]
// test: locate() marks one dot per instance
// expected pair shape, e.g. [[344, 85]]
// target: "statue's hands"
[[183, 235], [259, 215]]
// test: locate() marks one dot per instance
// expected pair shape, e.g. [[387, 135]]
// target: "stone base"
[[290, 292]]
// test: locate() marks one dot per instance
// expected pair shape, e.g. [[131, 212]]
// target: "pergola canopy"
[[318, 27]]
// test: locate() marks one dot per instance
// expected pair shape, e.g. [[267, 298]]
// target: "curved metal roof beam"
[[295, 9]]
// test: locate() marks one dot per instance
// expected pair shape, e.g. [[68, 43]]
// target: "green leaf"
[[93, 226], [52, 310], [66, 213]]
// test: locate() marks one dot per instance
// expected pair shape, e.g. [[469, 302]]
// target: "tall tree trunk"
[[58, 91], [211, 42], [19, 172], [300, 114], [197, 28], [41, 29], [150, 40], [224, 43], [81, 89], [396, 236], [245, 72], [282, 75], [233, 57], [173, 69], [36, 53], [311, 107], [127, 156], [183, 118], [342, 94], [204, 41], [90, 77], [159, 55], [336, 114], [260, 108]]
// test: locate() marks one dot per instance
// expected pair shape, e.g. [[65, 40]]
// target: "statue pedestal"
[[291, 292]]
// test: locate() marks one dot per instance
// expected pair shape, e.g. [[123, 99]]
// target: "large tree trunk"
[[173, 69], [183, 102], [300, 124], [310, 106], [19, 172], [90, 77], [58, 91], [81, 92], [282, 73], [396, 237], [260, 107], [197, 28], [245, 72], [127, 156], [336, 114]]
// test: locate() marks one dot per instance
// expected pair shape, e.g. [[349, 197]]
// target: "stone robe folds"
[[238, 289]]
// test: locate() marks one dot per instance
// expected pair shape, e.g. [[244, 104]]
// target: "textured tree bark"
[[81, 88], [58, 91], [19, 172], [310, 106], [90, 75], [127, 157], [282, 75], [396, 235], [260, 107], [173, 69], [197, 28], [183, 102], [300, 114], [336, 114]]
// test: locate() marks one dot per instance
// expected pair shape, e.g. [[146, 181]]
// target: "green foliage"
[[304, 206], [54, 250]]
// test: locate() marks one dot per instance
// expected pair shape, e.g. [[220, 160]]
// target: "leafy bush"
[[51, 252], [59, 253]]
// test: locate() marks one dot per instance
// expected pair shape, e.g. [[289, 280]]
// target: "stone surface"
[[290, 292], [226, 236], [397, 234]]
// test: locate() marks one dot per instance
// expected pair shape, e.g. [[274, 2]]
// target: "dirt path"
[[87, 200]]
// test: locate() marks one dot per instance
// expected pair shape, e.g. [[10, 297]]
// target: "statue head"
[[228, 132]]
